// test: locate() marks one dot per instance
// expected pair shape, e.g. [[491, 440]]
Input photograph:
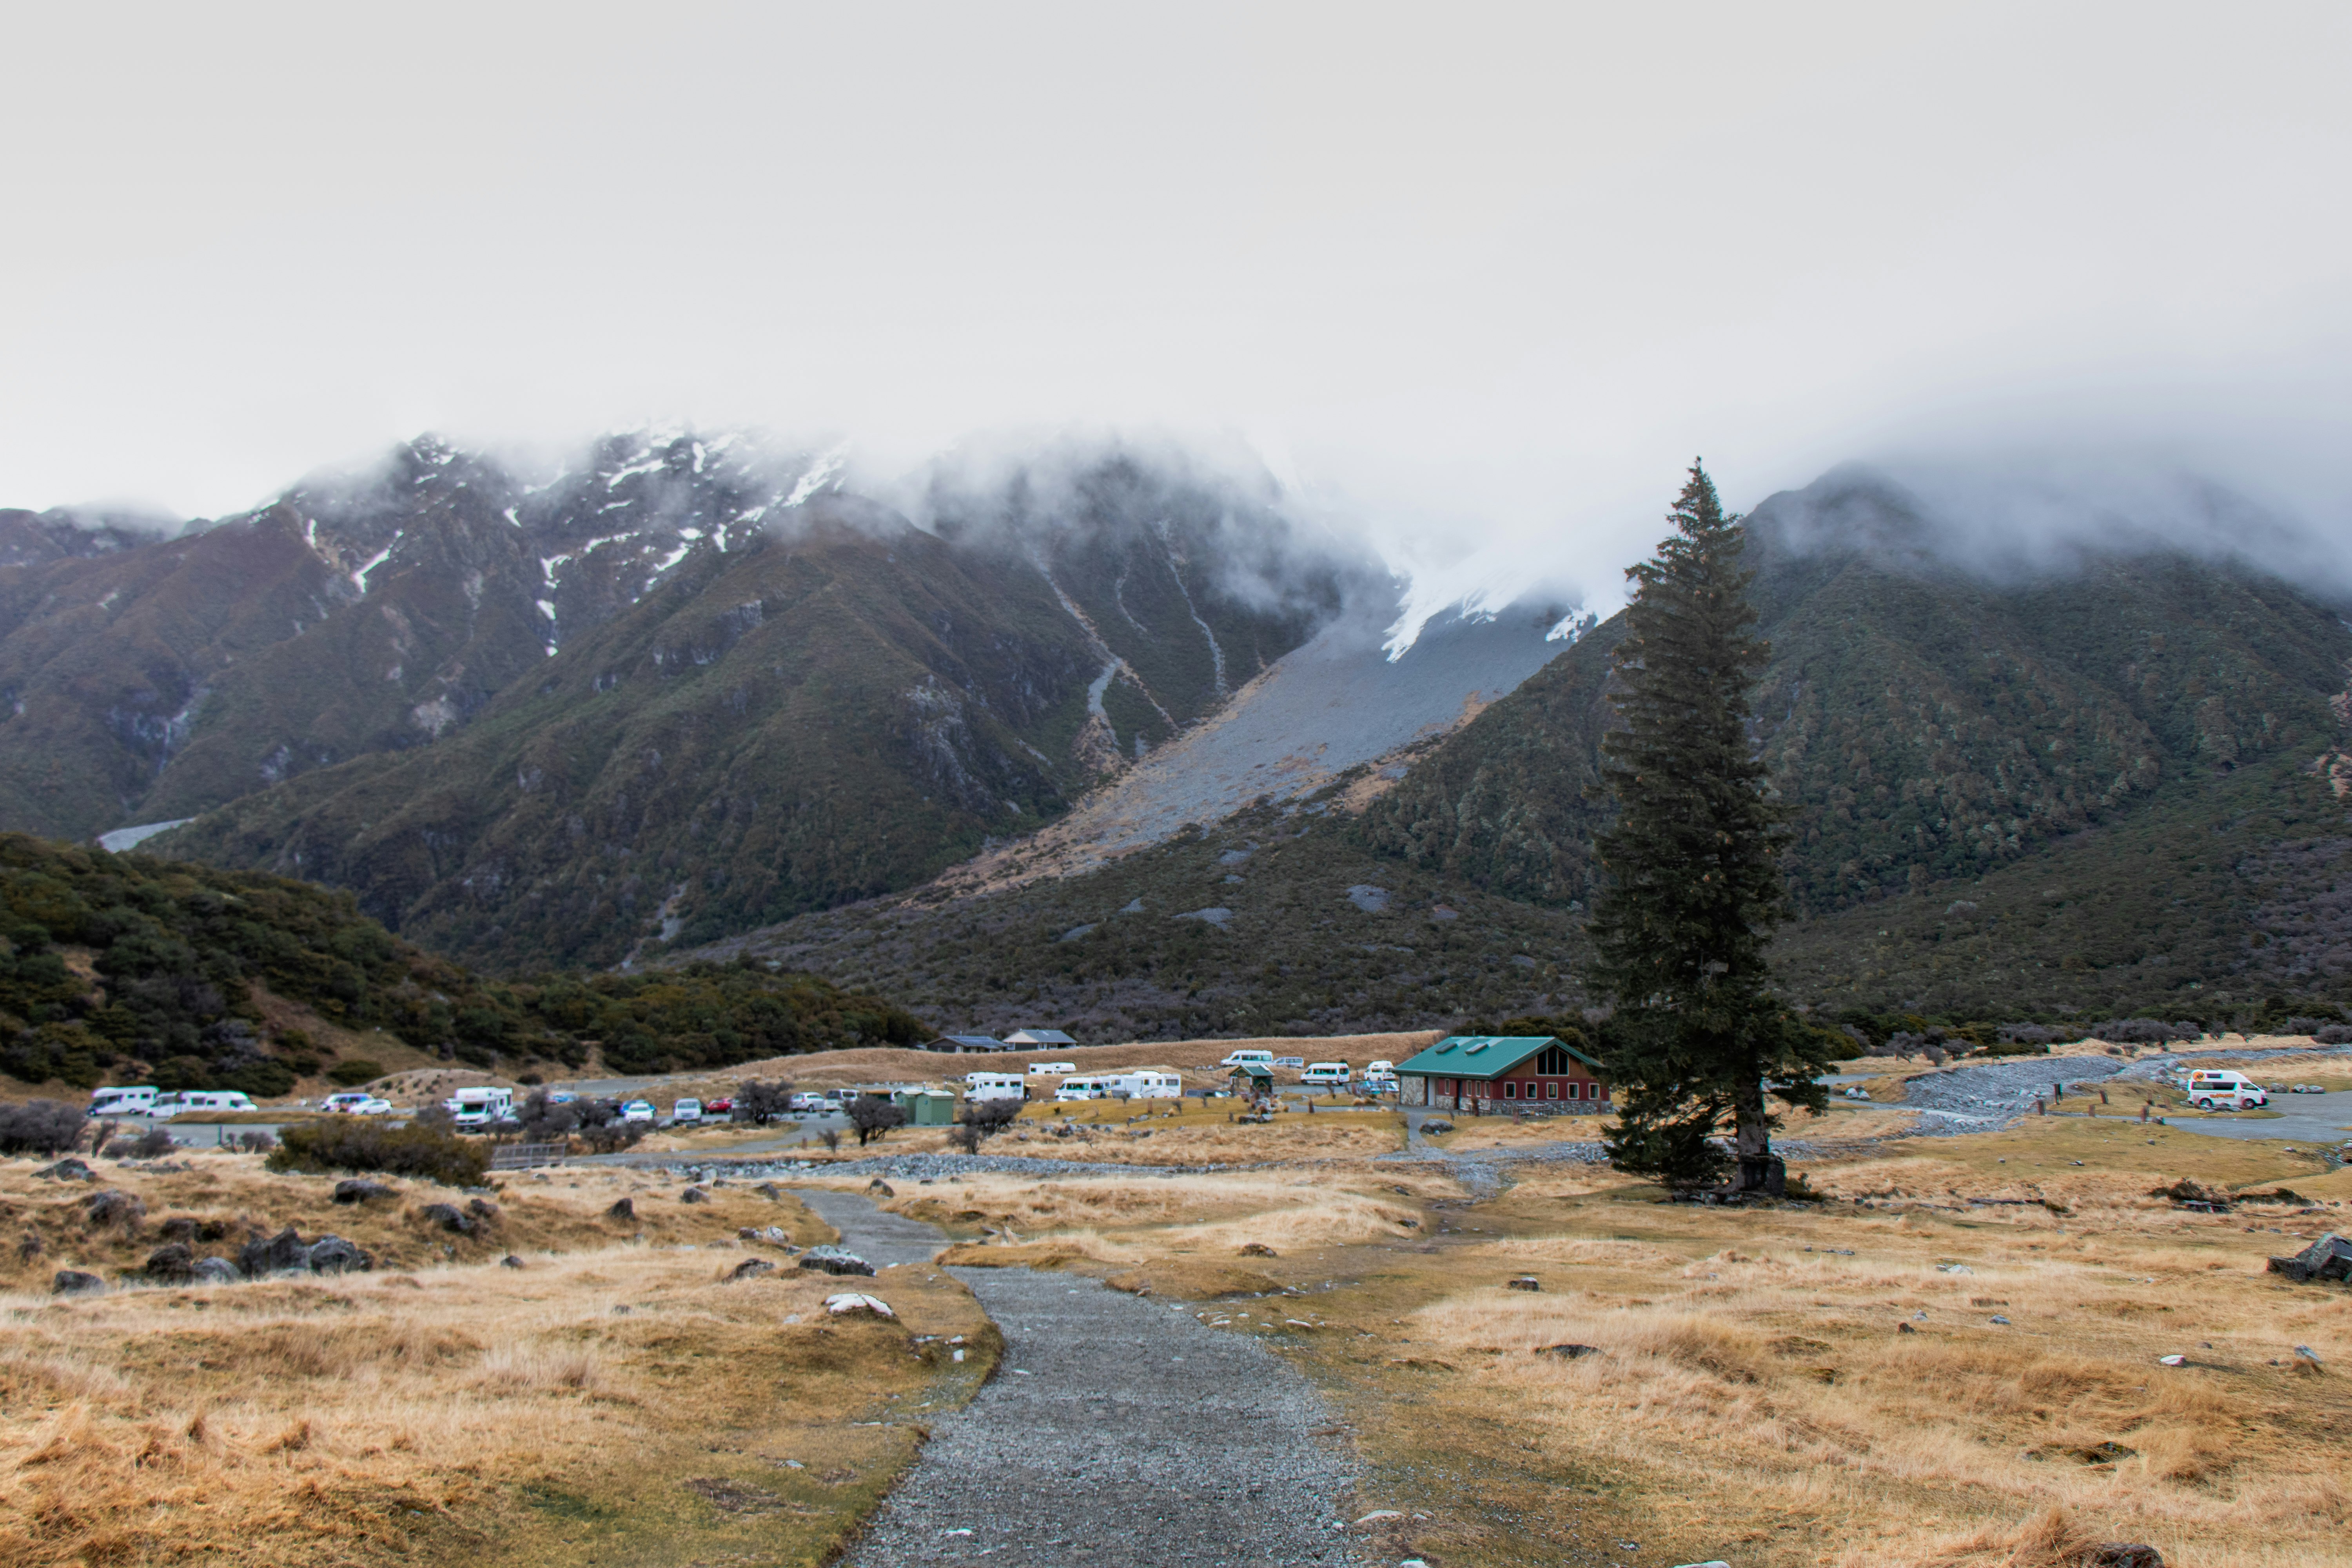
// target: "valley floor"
[[1952, 1355]]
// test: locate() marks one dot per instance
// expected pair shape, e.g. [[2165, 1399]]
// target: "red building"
[[1503, 1072]]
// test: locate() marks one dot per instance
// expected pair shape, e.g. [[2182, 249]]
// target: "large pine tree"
[[1697, 1037]]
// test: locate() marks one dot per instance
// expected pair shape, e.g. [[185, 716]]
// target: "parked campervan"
[[2217, 1088], [111, 1101], [479, 1107], [1047, 1070], [1326, 1075], [1247, 1059], [1084, 1089], [995, 1086], [167, 1106], [1150, 1083]]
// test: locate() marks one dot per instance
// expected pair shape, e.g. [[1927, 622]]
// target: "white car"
[[807, 1101], [1087, 1088], [1247, 1058], [1326, 1075], [685, 1110], [356, 1103], [637, 1110]]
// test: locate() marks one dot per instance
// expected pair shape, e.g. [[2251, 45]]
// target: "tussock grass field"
[[1804, 1383], [617, 1399]]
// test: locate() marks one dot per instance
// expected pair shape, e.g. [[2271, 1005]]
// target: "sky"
[[1477, 282]]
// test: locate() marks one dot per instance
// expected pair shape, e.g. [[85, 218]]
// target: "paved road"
[[1119, 1431], [2301, 1117]]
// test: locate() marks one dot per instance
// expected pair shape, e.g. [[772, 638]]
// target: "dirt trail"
[[1119, 1431]]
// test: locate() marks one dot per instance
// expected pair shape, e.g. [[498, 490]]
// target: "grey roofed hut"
[[967, 1043], [1050, 1039]]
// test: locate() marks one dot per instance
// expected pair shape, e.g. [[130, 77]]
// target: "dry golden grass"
[[231, 1199], [1115, 1221], [1755, 1396], [624, 1404]]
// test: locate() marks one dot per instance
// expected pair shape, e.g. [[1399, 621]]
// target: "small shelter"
[[926, 1107], [960, 1043], [1503, 1072], [1250, 1080], [1039, 1039]]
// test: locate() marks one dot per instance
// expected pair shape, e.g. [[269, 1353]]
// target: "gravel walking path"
[[1119, 1431]]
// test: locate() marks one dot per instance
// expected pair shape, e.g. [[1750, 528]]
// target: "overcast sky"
[[1470, 278]]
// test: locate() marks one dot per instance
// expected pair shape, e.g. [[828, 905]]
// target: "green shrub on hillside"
[[143, 971]]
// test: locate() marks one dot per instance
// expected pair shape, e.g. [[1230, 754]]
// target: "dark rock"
[[1904, 1329], [216, 1271], [510, 1262], [2329, 1257], [358, 1190], [769, 1191], [694, 1195], [333, 1255], [1572, 1352], [170, 1265], [881, 1188], [279, 1254], [482, 1210], [835, 1260], [1258, 1249], [31, 1247], [73, 1282], [448, 1217], [113, 1207], [1437, 1126], [1524, 1282], [66, 1170], [624, 1209], [179, 1227], [2123, 1554], [752, 1267]]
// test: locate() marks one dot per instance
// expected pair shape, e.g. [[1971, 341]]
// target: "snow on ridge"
[[820, 474]]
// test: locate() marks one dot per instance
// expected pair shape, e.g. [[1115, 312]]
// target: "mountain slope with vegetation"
[[684, 686], [2116, 787], [135, 969]]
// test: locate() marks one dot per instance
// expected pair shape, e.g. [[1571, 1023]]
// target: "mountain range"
[[1107, 739]]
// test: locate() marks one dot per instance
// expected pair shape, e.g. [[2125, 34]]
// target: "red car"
[[718, 1107]]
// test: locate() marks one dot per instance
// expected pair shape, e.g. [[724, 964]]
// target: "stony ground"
[[1119, 1431]]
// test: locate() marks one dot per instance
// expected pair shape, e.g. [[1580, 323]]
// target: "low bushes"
[[40, 1127], [352, 1144]]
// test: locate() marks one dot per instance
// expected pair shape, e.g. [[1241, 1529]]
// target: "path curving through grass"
[[1120, 1430]]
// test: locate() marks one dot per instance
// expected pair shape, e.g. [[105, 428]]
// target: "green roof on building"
[[1485, 1055], [1253, 1069]]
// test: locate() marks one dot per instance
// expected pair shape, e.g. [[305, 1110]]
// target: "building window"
[[1510, 1091], [1551, 1062], [1551, 1091]]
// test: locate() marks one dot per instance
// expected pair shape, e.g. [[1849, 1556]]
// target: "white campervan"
[[113, 1101], [1326, 1075], [995, 1086], [167, 1106], [1086, 1088], [1047, 1070], [1247, 1059], [2218, 1088], [479, 1107], [1150, 1084]]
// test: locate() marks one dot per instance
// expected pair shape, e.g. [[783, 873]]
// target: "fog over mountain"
[[1473, 290]]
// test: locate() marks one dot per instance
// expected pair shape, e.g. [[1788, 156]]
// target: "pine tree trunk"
[[1760, 1170]]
